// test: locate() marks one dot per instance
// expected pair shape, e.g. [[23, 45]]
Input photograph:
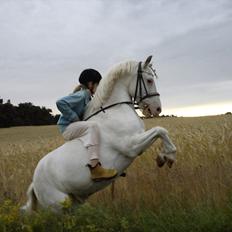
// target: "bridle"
[[139, 85], [140, 82]]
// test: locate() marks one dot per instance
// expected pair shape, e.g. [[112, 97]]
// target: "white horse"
[[62, 174]]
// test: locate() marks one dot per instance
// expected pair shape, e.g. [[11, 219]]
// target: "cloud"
[[45, 44], [195, 68]]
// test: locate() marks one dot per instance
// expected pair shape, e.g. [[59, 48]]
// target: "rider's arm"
[[66, 104], [66, 110]]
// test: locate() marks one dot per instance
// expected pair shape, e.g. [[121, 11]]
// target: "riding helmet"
[[88, 75]]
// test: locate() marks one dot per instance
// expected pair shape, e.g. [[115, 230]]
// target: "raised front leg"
[[140, 142]]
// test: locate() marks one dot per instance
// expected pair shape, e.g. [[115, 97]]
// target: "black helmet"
[[89, 75]]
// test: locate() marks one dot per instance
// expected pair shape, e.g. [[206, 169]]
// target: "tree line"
[[25, 114]]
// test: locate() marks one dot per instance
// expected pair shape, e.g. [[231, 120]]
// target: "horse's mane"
[[107, 83]]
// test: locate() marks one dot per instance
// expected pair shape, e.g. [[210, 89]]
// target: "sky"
[[45, 44]]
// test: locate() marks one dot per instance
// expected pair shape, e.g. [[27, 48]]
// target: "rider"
[[72, 108]]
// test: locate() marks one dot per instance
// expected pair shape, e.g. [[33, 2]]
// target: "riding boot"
[[98, 173]]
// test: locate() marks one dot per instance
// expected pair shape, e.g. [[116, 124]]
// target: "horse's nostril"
[[158, 109]]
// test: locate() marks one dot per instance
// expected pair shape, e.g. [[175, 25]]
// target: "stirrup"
[[123, 174]]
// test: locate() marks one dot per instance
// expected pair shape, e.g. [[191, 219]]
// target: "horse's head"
[[143, 89]]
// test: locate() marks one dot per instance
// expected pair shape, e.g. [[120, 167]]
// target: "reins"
[[139, 85], [107, 107]]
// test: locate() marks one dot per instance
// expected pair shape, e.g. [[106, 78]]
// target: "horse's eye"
[[150, 81]]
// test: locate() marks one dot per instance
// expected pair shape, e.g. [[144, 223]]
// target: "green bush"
[[106, 219]]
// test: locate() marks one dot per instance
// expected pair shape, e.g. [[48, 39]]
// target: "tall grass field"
[[194, 195]]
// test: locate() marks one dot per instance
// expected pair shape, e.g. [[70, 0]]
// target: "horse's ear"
[[148, 60]]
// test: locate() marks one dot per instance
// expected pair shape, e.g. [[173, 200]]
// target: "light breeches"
[[88, 133]]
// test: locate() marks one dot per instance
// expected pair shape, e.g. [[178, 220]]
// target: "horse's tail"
[[31, 204]]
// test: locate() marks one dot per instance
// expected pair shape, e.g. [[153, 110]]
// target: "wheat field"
[[202, 173]]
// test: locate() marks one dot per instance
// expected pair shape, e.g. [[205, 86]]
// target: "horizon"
[[204, 110]]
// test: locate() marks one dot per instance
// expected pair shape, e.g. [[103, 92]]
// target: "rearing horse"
[[63, 174]]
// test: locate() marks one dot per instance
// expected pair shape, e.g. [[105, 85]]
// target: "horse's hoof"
[[160, 161], [170, 163]]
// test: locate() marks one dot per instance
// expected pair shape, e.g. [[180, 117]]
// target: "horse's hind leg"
[[56, 200], [65, 201]]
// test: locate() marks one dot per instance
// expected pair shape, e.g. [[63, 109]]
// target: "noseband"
[[139, 84]]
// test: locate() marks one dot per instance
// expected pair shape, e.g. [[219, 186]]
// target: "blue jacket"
[[72, 108]]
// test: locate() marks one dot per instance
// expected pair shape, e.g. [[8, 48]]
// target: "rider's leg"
[[88, 133], [93, 151]]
